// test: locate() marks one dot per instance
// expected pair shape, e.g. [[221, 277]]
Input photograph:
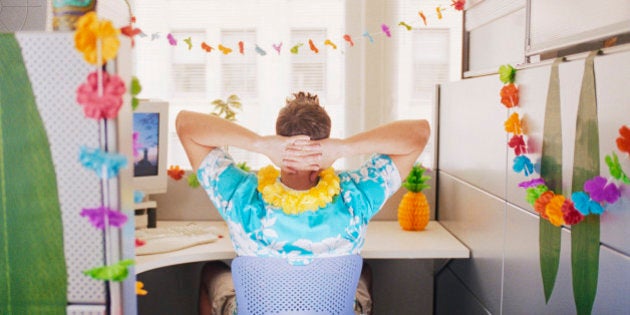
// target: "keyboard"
[[167, 239]]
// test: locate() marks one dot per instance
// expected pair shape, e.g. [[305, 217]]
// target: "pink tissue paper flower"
[[101, 106]]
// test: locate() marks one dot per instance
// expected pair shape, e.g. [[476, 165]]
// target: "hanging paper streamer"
[[367, 34], [328, 42], [294, 49], [260, 51], [405, 25], [206, 47], [97, 217], [312, 46], [105, 164], [241, 47], [423, 17], [438, 10], [386, 30], [188, 41], [171, 40], [348, 39], [277, 47], [116, 272]]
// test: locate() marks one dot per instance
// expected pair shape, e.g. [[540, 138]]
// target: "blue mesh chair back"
[[269, 285]]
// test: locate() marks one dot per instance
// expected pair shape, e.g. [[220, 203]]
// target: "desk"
[[384, 240]]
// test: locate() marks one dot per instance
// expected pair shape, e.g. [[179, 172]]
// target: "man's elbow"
[[421, 132], [182, 122]]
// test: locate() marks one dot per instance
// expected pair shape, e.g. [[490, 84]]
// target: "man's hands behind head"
[[297, 153]]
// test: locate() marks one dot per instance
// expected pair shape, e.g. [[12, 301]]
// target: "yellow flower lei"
[[296, 202]]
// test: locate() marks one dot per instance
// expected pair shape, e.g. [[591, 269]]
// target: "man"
[[305, 209]]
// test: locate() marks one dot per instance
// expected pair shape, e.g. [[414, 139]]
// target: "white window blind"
[[308, 69], [239, 72], [188, 66]]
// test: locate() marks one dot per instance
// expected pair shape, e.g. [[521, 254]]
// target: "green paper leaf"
[[585, 235], [549, 243], [136, 87], [33, 277], [193, 181], [134, 103], [507, 74], [116, 272]]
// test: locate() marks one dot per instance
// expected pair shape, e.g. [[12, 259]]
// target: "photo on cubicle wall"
[[147, 142]]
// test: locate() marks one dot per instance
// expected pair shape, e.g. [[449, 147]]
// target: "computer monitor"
[[150, 132]]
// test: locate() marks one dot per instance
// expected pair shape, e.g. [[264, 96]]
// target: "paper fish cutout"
[[155, 36], [348, 39], [458, 4], [188, 41], [438, 10], [366, 34], [116, 272], [386, 30], [330, 43], [277, 47], [241, 47], [260, 51], [294, 49], [312, 46], [407, 26], [97, 217], [206, 47], [171, 40], [225, 50], [423, 17]]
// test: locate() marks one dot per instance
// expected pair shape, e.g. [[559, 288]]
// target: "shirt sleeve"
[[366, 189], [230, 188]]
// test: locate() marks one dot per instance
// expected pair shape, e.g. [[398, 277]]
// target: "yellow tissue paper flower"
[[89, 32]]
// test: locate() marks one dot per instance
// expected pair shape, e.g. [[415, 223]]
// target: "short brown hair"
[[303, 115]]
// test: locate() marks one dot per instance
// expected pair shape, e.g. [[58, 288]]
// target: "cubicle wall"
[[480, 203]]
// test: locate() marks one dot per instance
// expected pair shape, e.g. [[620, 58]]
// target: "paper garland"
[[591, 192]]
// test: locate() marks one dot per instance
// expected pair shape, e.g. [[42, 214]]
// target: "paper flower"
[[513, 124], [509, 95], [193, 181], [553, 210], [139, 288], [570, 215], [175, 172], [523, 164], [458, 4], [106, 165], [90, 31], [98, 215], [585, 205], [533, 193], [138, 196], [116, 272], [104, 101], [623, 142], [541, 203], [532, 183], [614, 167], [518, 144], [600, 190], [140, 242], [507, 74]]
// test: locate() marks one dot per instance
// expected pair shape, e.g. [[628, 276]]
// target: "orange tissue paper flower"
[[509, 95], [175, 172], [541, 203], [554, 210], [90, 31], [513, 124], [623, 142]]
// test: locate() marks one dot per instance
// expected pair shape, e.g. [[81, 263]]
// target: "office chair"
[[270, 285]]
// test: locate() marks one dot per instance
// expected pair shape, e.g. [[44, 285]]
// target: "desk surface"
[[384, 240]]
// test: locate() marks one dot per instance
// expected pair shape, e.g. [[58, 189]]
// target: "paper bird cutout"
[[312, 46], [142, 34], [171, 40], [294, 49], [241, 47], [277, 47], [97, 217], [407, 26], [330, 43], [188, 41], [438, 10], [130, 32], [348, 39], [424, 18], [385, 30], [225, 50], [260, 51], [206, 47], [366, 34], [155, 36]]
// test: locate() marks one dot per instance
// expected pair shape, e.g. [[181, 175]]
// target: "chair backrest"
[[266, 285]]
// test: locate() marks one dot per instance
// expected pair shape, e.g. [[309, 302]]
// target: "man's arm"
[[201, 133], [402, 140]]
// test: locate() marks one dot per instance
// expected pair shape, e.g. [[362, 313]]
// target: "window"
[[239, 73], [188, 66]]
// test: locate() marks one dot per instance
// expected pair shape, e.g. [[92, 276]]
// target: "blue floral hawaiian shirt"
[[260, 229]]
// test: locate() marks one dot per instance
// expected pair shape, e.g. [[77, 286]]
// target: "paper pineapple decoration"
[[413, 210]]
